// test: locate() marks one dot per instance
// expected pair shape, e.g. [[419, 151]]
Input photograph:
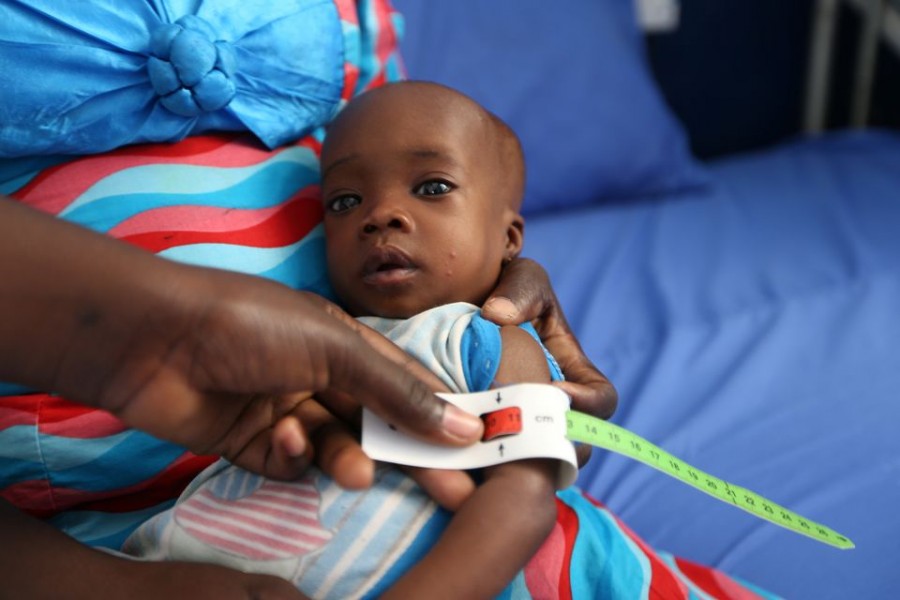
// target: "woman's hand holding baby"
[[525, 294]]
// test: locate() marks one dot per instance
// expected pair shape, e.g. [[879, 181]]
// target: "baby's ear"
[[515, 236]]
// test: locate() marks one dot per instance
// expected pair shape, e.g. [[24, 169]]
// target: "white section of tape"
[[543, 434]]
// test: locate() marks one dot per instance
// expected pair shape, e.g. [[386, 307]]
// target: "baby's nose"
[[387, 215]]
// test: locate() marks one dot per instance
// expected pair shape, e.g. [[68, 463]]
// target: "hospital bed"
[[746, 307]]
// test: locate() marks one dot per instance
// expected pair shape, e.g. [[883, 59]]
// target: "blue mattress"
[[752, 327]]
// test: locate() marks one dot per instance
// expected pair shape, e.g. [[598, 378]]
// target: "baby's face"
[[411, 219]]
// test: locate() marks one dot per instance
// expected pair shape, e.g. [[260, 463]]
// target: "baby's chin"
[[399, 303], [388, 308]]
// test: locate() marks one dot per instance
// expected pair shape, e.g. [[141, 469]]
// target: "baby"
[[421, 192]]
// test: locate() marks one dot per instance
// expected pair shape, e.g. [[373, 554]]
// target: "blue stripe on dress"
[[350, 518], [15, 173], [605, 563], [104, 529], [260, 186], [416, 551], [96, 465]]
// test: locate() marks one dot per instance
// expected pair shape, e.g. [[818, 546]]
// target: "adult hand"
[[524, 294], [337, 449], [219, 362]]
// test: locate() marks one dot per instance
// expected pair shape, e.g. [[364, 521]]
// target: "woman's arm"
[[216, 361], [508, 517]]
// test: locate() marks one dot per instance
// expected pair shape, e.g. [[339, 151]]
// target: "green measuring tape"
[[534, 421], [603, 434]]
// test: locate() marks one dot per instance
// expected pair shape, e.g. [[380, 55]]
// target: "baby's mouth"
[[387, 265]]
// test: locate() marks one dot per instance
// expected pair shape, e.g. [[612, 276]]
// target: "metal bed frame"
[[880, 21]]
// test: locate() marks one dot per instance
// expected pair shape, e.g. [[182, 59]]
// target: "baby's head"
[[421, 189]]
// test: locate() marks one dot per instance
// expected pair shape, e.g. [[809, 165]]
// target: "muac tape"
[[534, 421]]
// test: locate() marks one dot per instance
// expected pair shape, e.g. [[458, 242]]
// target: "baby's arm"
[[508, 517]]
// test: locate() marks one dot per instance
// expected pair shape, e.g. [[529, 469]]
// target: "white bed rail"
[[880, 21]]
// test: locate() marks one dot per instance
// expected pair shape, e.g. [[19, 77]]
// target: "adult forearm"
[[37, 561], [216, 361], [59, 281]]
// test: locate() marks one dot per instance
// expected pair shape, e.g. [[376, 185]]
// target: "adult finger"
[[269, 438], [448, 488], [523, 294], [338, 453], [337, 449], [395, 395], [386, 347], [591, 392]]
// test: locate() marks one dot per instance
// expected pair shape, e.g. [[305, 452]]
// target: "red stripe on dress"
[[664, 584], [715, 583], [188, 147], [281, 226], [38, 498], [351, 79], [12, 417], [568, 519], [55, 415], [18, 410], [62, 417], [311, 143], [33, 497], [543, 571], [377, 81], [194, 145], [347, 11], [386, 42], [56, 187], [87, 425], [166, 485]]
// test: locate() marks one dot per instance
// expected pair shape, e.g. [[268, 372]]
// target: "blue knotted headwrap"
[[189, 68], [85, 77]]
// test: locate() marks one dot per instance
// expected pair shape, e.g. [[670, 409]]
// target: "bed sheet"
[[752, 328]]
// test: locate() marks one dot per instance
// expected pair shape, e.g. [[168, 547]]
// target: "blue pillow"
[[572, 80]]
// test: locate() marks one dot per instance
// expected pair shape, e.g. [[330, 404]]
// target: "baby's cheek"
[[450, 263]]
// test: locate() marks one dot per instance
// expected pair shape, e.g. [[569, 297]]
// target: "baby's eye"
[[342, 203], [435, 187]]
